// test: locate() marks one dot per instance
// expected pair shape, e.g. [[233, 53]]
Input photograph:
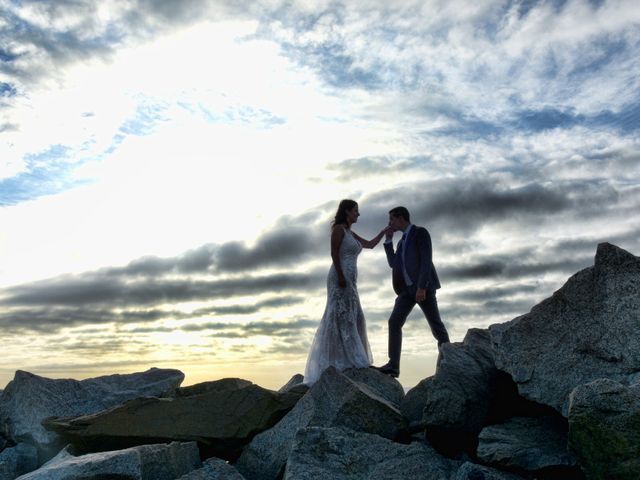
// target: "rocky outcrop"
[[526, 443], [213, 469], [221, 415], [585, 331], [604, 429], [18, 460], [147, 462], [340, 453], [28, 399], [334, 400]]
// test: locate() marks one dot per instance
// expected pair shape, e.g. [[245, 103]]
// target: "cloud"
[[289, 328], [467, 204], [93, 289], [32, 317], [279, 248]]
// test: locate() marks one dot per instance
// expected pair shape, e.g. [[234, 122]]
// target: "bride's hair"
[[341, 214]]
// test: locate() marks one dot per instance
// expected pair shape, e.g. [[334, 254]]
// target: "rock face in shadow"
[[604, 429], [460, 395], [18, 460], [526, 443], [334, 400], [340, 453], [28, 399], [222, 415], [587, 330], [147, 462], [463, 396]]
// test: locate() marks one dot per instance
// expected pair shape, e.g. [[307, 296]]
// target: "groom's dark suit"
[[413, 257]]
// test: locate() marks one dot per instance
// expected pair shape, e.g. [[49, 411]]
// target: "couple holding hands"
[[341, 339]]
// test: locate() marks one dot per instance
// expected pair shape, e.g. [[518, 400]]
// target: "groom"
[[414, 280]]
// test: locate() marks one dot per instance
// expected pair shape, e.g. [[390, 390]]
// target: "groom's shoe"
[[389, 370]]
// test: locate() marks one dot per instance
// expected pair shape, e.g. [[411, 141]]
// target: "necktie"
[[404, 245]]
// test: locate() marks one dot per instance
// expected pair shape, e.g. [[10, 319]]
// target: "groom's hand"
[[421, 295], [388, 233], [342, 282]]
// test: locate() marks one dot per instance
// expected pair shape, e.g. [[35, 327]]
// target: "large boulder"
[[604, 429], [585, 331], [334, 400], [18, 460], [213, 469], [462, 396], [222, 416], [29, 398], [526, 443], [147, 462], [340, 453]]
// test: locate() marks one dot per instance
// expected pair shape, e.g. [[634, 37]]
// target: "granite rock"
[[29, 398], [604, 429], [222, 415], [146, 462], [334, 400], [341, 454], [586, 330]]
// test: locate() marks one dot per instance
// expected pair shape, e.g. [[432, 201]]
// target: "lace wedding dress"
[[341, 339]]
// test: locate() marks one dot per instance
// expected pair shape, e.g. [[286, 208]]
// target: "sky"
[[169, 170]]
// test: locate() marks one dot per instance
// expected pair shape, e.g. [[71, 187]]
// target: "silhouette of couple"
[[341, 339]]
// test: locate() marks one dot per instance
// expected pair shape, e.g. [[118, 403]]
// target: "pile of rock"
[[552, 394]]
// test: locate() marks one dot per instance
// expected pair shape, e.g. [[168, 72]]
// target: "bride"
[[341, 339]]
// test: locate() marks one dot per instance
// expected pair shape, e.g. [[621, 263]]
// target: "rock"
[[413, 403], [297, 379], [471, 471], [378, 383], [334, 400], [18, 460], [28, 399], [222, 416], [585, 331], [340, 453], [146, 462], [460, 398], [604, 429], [214, 469], [526, 443]]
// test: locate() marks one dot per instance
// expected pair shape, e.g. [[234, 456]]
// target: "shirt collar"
[[408, 229]]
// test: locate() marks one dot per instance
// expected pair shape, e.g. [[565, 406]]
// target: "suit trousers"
[[401, 310]]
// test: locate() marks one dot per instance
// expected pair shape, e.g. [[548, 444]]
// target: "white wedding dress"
[[341, 339]]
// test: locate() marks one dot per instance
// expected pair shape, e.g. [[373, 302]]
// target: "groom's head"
[[399, 218]]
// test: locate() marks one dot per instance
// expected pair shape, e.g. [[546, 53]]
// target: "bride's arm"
[[337, 235], [370, 243]]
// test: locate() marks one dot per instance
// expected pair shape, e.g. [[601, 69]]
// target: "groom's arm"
[[391, 255], [423, 240]]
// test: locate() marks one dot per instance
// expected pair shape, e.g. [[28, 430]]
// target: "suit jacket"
[[418, 261]]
